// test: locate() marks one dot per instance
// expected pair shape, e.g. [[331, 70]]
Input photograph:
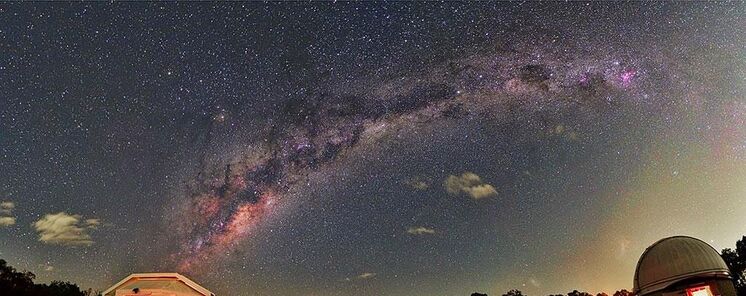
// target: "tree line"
[[516, 292], [736, 261], [19, 283]]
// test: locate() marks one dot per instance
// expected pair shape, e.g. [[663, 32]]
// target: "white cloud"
[[470, 184], [362, 276], [64, 229], [418, 183], [7, 221], [420, 230], [6, 207], [366, 275], [92, 223]]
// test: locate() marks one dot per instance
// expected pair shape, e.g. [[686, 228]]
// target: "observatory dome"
[[675, 259]]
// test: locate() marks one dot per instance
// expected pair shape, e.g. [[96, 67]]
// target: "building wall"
[[719, 287]]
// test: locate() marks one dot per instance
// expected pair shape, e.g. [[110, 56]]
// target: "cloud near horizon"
[[65, 229], [366, 275], [420, 230], [48, 267], [362, 276], [470, 184]]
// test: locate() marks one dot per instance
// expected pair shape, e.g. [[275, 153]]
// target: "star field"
[[429, 148]]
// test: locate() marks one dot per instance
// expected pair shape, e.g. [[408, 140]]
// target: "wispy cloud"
[[7, 221], [47, 267], [418, 183], [362, 276], [6, 207], [564, 131], [470, 184], [6, 211], [420, 230], [92, 223], [366, 275], [65, 229]]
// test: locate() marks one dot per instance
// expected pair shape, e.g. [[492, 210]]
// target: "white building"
[[157, 284]]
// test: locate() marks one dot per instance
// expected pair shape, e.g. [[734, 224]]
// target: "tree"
[[18, 283], [602, 294], [14, 282], [577, 293], [514, 292], [478, 294], [57, 288], [623, 292], [736, 261], [91, 292]]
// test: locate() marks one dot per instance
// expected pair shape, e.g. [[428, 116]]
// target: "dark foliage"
[[514, 292], [17, 283], [736, 261], [573, 293], [578, 293]]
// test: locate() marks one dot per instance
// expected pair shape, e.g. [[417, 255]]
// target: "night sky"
[[368, 148]]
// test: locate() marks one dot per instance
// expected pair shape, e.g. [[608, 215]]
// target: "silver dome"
[[674, 259]]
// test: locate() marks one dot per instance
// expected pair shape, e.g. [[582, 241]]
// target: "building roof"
[[674, 259], [170, 281]]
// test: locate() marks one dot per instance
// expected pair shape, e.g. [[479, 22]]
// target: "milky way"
[[322, 126], [368, 148]]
